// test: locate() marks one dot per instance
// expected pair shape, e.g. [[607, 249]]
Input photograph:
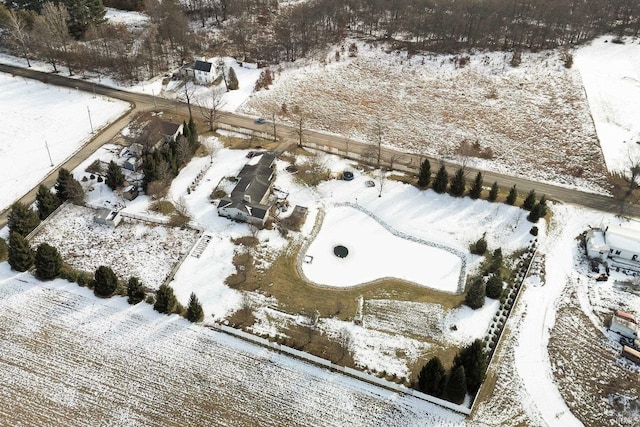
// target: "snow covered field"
[[36, 115], [133, 248], [69, 358], [532, 121], [611, 76], [375, 253]]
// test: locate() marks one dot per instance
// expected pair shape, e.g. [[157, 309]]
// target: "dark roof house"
[[249, 199], [203, 72]]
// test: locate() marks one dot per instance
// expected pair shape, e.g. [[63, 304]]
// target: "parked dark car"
[[260, 121]]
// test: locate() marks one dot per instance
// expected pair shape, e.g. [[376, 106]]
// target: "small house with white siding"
[[624, 327], [249, 199], [204, 72]]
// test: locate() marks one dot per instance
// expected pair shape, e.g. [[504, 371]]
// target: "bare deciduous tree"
[[52, 34], [19, 34], [210, 106], [300, 130]]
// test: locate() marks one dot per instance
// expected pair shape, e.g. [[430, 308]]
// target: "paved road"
[[287, 135]]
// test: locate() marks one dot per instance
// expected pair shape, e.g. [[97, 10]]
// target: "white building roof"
[[626, 239]]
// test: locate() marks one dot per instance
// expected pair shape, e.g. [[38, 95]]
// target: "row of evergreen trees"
[[457, 187], [465, 376], [163, 164]]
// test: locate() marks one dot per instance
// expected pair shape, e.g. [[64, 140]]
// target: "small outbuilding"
[[615, 245], [107, 217], [624, 327], [130, 192]]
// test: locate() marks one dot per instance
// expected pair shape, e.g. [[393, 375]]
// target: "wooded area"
[[73, 32]]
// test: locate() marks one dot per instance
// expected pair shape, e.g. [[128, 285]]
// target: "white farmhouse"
[[615, 246], [203, 72]]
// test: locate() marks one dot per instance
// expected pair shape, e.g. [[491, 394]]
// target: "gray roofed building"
[[249, 199], [204, 72], [203, 66]]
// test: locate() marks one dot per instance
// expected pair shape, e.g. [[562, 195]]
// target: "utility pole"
[[48, 152], [90, 123], [155, 106]]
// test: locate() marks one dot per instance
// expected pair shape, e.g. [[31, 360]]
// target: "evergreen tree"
[[166, 301], [475, 295], [4, 250], [494, 286], [536, 213], [496, 261], [185, 129], [457, 385], [513, 195], [68, 188], [48, 262], [46, 201], [105, 281], [441, 180], [474, 361], [115, 177], [233, 80], [424, 176], [476, 189], [493, 194], [149, 169], [458, 184], [194, 310], [135, 291], [530, 201], [479, 247], [431, 377], [22, 219], [20, 253], [543, 205]]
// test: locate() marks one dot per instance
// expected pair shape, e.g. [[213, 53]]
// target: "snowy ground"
[[531, 121], [69, 357], [372, 255], [36, 115], [133, 248], [611, 76]]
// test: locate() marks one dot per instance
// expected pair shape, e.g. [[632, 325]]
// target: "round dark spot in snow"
[[340, 251]]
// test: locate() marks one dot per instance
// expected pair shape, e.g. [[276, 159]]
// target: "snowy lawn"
[[611, 76], [133, 248], [375, 253], [36, 115]]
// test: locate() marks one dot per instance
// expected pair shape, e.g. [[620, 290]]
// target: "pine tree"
[[115, 177], [4, 250], [68, 188], [431, 377], [105, 281], [149, 170], [543, 205], [22, 219], [194, 310], [475, 295], [441, 180], [530, 201], [135, 291], [166, 301], [457, 385], [474, 360], [513, 195], [493, 194], [96, 11], [458, 184], [46, 202], [424, 176], [20, 253], [479, 247], [48, 262], [496, 261], [233, 80], [536, 213], [476, 189], [494, 286]]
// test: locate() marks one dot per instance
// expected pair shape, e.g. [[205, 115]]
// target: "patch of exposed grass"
[[163, 207]]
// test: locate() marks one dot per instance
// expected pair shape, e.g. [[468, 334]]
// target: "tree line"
[[74, 33]]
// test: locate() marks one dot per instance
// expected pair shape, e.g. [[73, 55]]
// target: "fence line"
[[46, 220], [353, 373]]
